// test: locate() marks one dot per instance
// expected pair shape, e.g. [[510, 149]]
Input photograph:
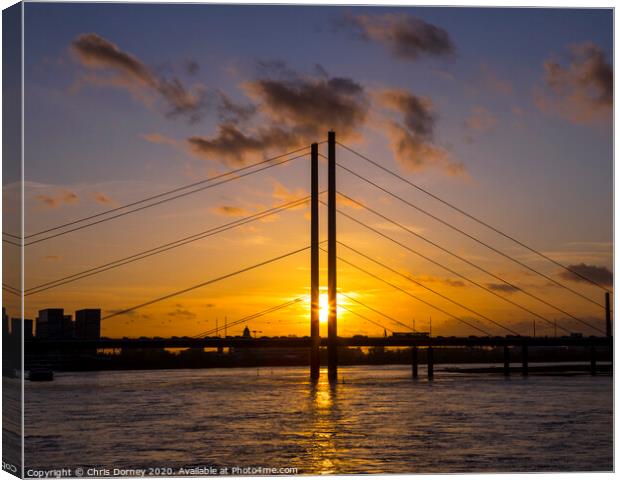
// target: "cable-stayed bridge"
[[484, 329]]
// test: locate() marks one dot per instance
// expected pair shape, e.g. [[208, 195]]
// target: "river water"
[[376, 420]]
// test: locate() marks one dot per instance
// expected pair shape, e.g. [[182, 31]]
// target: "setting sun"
[[323, 308]]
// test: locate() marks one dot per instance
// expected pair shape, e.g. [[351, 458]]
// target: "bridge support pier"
[[414, 362], [315, 338], [506, 361], [332, 320], [592, 360], [524, 360], [430, 363]]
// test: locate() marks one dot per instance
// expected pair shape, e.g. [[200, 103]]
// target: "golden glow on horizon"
[[323, 308]]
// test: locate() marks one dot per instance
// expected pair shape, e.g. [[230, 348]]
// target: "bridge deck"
[[304, 342]]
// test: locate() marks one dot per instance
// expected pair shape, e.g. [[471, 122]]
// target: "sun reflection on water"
[[325, 415]]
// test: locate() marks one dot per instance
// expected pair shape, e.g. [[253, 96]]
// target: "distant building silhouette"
[[52, 323], [16, 327], [5, 323], [246, 333], [28, 329], [68, 330], [88, 324]]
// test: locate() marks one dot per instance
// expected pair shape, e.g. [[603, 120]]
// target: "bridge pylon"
[[332, 319], [608, 331], [315, 360]]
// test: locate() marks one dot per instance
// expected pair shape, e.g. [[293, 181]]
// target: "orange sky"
[[503, 129]]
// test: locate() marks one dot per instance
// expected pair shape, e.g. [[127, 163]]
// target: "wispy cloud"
[[595, 273], [480, 120], [103, 199], [502, 287], [66, 197], [446, 281], [581, 90], [97, 53], [232, 146], [405, 36], [230, 111], [295, 109], [395, 228], [160, 139], [346, 202], [283, 194], [413, 139], [279, 195], [311, 104], [231, 211], [180, 312]]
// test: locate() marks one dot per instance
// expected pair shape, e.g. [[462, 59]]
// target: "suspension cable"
[[445, 297], [250, 317], [203, 284], [159, 202], [411, 295], [163, 194], [365, 225], [476, 219], [163, 248], [471, 236]]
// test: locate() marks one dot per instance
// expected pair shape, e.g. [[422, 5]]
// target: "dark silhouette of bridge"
[[331, 246], [509, 343]]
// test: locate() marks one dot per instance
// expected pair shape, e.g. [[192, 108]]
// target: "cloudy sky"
[[504, 112]]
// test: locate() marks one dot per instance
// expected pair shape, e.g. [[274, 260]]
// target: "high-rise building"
[[50, 323], [68, 330], [88, 323], [5, 324], [28, 329], [5, 329], [16, 328]]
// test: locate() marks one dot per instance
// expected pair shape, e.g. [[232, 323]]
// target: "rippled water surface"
[[377, 420]]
